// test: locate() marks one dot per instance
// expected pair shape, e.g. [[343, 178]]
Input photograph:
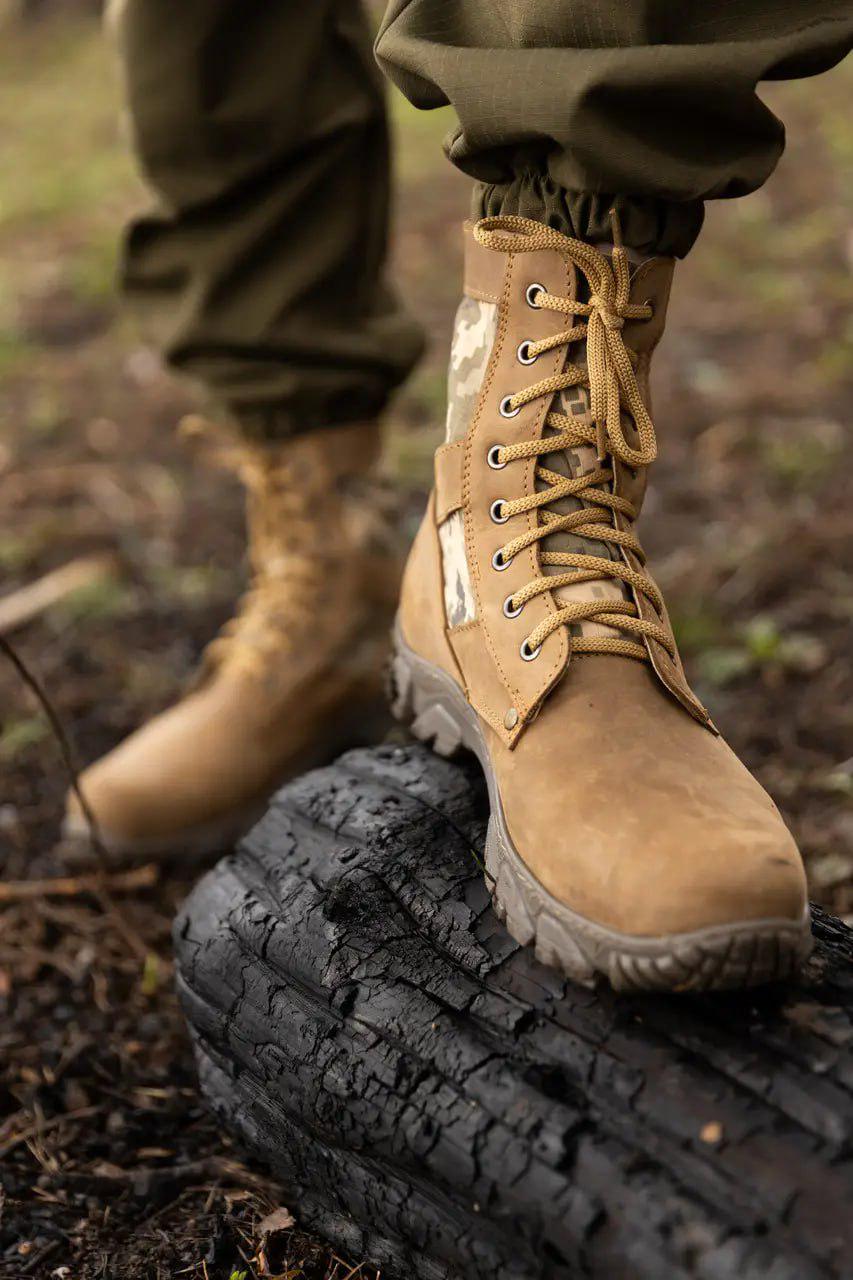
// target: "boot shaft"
[[307, 496], [505, 342], [320, 545]]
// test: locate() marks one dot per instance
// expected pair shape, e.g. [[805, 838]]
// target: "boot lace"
[[610, 379], [276, 607]]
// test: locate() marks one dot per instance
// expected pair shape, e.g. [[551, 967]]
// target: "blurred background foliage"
[[749, 515], [121, 552]]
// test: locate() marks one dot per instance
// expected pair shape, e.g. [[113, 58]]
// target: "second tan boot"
[[293, 679], [625, 837]]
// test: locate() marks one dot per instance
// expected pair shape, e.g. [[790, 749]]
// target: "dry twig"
[[27, 603], [74, 886]]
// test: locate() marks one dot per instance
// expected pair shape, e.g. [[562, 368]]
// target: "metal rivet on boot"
[[511, 718]]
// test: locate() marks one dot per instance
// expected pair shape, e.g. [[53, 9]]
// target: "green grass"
[[45, 412], [16, 352], [105, 598], [20, 734], [418, 137], [92, 272], [801, 463], [189, 585], [760, 648], [16, 551], [60, 120], [67, 181]]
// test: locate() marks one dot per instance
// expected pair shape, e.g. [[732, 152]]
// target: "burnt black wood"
[[444, 1106]]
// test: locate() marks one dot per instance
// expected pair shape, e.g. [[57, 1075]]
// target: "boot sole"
[[720, 957]]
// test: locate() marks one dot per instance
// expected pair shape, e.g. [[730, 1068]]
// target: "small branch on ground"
[[108, 905], [75, 886], [34, 599]]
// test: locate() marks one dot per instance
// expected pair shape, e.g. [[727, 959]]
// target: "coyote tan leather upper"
[[296, 675], [528, 588]]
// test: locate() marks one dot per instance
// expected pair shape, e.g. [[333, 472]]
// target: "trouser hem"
[[649, 224]]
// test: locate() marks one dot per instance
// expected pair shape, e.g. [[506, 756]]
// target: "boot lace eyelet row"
[[609, 376]]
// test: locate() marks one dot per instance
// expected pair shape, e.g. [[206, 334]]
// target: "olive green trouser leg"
[[569, 107], [261, 129]]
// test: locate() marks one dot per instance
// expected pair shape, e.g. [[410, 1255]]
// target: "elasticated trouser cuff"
[[655, 102], [649, 225]]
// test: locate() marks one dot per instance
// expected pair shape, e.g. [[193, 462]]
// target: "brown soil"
[[110, 1164]]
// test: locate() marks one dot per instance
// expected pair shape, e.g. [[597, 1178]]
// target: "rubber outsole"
[[720, 957]]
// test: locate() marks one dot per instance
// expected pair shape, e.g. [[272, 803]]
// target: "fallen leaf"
[[150, 980], [279, 1220]]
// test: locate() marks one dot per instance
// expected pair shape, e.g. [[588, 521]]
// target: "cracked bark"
[[442, 1105]]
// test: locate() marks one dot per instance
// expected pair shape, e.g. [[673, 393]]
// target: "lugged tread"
[[441, 1104]]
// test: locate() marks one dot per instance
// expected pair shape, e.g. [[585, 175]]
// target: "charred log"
[[442, 1105]]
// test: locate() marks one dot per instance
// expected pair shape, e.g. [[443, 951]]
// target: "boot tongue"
[[573, 463]]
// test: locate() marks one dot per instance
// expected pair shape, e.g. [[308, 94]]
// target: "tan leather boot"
[[295, 677], [625, 837]]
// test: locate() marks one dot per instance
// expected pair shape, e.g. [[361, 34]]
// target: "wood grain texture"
[[441, 1104]]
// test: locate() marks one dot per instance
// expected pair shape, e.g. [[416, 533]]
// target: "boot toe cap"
[[717, 881], [125, 811]]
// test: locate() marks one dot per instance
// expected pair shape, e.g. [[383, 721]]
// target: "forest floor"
[[111, 1166]]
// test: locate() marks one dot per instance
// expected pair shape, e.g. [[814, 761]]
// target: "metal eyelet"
[[496, 509], [522, 353], [505, 409], [509, 612], [498, 561], [492, 458], [530, 295], [528, 654]]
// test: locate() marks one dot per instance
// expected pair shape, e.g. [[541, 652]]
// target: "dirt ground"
[[111, 1167]]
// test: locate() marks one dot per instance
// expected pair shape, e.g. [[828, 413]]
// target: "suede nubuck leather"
[[625, 836], [293, 679]]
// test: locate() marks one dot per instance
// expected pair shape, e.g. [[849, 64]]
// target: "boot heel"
[[399, 687], [419, 709]]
